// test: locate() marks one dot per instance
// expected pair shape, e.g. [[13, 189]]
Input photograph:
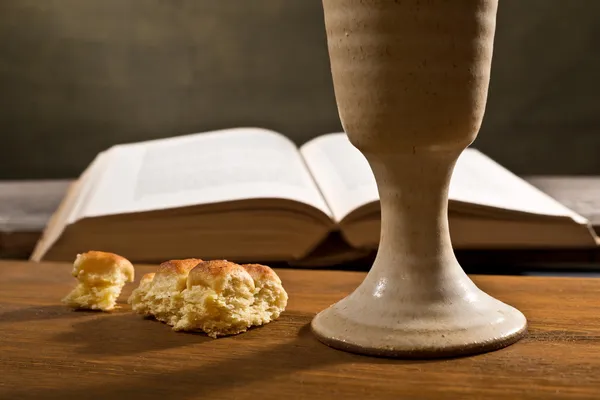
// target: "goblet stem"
[[415, 244], [416, 301], [413, 191]]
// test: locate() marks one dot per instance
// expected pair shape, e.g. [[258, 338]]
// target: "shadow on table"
[[125, 333], [41, 313], [303, 352]]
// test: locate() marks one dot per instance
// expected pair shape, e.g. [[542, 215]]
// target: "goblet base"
[[432, 331]]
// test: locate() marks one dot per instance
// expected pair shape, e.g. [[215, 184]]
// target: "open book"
[[249, 194]]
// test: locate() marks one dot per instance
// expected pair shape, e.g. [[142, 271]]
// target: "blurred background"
[[79, 76]]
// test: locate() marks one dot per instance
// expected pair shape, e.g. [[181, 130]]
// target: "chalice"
[[411, 82]]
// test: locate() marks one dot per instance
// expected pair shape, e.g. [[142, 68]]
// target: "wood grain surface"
[[49, 351]]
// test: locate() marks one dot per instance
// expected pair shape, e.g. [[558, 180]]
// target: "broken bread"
[[159, 295], [137, 298], [101, 277], [217, 297], [270, 299]]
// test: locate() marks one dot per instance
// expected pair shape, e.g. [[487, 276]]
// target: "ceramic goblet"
[[411, 81]]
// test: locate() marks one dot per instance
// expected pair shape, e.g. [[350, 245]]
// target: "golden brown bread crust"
[[213, 273], [175, 272], [179, 267], [260, 272], [100, 263], [215, 267]]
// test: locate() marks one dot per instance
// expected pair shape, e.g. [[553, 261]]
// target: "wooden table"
[[48, 351]]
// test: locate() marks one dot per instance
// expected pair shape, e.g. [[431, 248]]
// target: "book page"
[[479, 180], [69, 208], [87, 184], [342, 173], [220, 166], [347, 182]]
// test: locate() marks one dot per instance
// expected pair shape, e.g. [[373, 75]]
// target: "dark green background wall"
[[77, 76]]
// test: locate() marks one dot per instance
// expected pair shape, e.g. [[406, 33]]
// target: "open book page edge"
[[307, 192], [192, 136], [70, 204], [89, 180], [225, 207], [55, 225], [479, 210], [561, 210], [332, 170], [314, 173], [321, 137], [470, 159]]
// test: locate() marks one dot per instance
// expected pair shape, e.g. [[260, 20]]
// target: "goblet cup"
[[411, 82]]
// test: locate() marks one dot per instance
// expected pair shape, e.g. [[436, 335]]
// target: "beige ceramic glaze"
[[411, 80]]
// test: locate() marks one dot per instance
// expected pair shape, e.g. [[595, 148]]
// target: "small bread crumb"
[[101, 277], [216, 297]]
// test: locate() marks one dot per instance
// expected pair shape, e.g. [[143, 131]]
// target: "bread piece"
[[137, 298], [161, 296], [101, 278], [218, 299], [270, 298]]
